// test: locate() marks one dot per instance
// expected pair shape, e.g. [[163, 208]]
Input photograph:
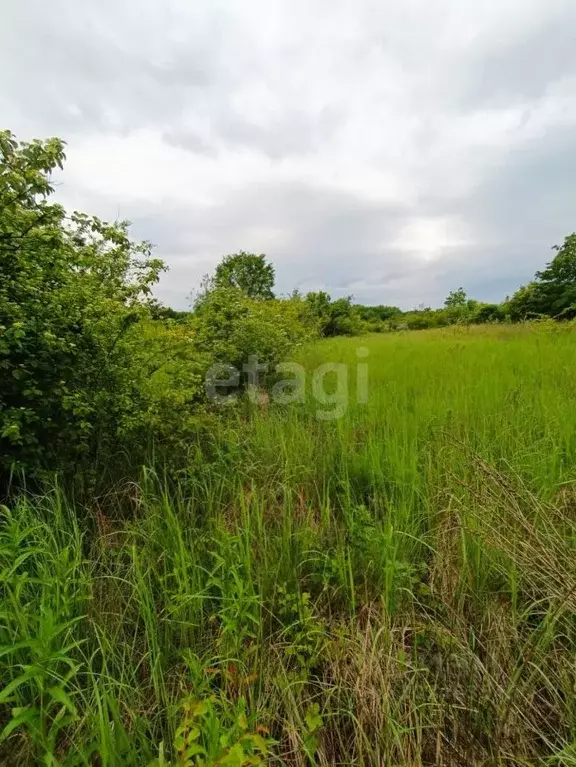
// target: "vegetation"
[[362, 576], [250, 273], [395, 587], [92, 367]]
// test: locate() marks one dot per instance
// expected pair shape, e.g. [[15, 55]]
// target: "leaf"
[[60, 696], [201, 708], [235, 756], [242, 722], [313, 718], [15, 684], [259, 742], [6, 649], [20, 716], [193, 750]]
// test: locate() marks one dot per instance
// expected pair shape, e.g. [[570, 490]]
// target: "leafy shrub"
[[71, 291], [230, 328], [334, 318], [215, 732], [92, 369], [488, 313]]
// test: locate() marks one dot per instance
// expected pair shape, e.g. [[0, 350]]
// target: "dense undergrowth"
[[396, 586]]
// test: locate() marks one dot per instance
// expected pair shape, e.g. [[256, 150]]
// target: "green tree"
[[382, 312], [456, 299], [318, 303], [230, 328], [555, 286], [249, 272], [457, 306]]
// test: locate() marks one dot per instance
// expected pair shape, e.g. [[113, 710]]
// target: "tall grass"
[[397, 586]]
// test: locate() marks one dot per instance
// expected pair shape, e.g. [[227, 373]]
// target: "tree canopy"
[[249, 272]]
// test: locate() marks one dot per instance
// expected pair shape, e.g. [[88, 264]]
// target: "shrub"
[[488, 313], [87, 378], [334, 318], [229, 328], [71, 290]]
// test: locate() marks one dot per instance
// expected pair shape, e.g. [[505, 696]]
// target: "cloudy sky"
[[392, 149]]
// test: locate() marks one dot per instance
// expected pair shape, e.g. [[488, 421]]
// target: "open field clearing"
[[394, 586]]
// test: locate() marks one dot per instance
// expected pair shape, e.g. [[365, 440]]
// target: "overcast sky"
[[392, 149]]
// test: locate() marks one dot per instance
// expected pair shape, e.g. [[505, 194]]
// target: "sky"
[[389, 149]]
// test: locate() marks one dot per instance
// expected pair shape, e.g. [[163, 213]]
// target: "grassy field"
[[396, 586]]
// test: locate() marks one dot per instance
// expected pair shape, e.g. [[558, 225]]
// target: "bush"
[[72, 289], [229, 328], [334, 318], [488, 313], [88, 380]]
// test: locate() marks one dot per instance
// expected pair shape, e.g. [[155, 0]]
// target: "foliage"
[[392, 587], [231, 328], [377, 313], [556, 284], [488, 313], [159, 311], [248, 272], [94, 372], [552, 293], [396, 587], [524, 304], [335, 318], [456, 299], [209, 735], [71, 291]]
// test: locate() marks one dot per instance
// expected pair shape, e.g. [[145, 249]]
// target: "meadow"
[[396, 586]]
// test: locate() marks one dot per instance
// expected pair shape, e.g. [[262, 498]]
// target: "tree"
[[158, 311], [555, 286], [456, 299], [457, 306], [319, 305], [249, 272], [378, 313]]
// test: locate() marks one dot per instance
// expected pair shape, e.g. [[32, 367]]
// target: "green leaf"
[[7, 691], [20, 716], [313, 718], [60, 696]]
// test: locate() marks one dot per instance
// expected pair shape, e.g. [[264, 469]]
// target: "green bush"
[[72, 289], [87, 379], [334, 318], [230, 328], [488, 313]]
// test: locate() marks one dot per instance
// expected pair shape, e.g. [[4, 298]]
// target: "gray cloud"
[[393, 150], [519, 70]]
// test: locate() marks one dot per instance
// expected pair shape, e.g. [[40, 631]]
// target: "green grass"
[[397, 586]]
